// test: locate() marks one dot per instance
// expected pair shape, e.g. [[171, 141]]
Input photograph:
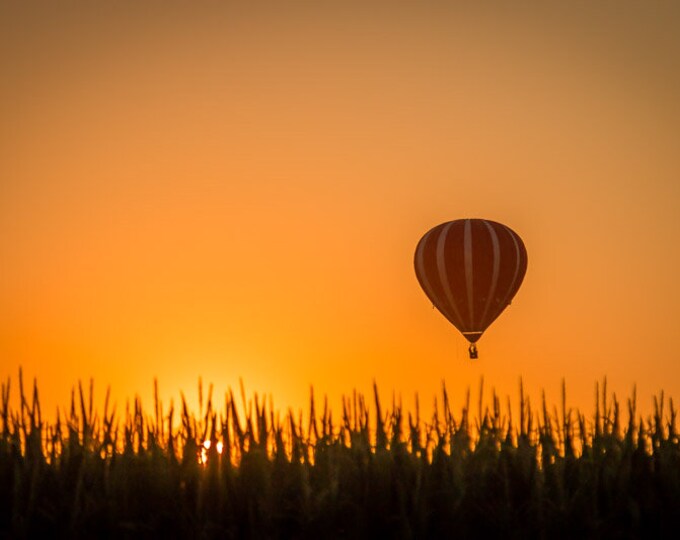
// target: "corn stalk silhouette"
[[245, 470]]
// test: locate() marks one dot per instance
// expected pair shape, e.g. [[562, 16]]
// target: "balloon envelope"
[[470, 269]]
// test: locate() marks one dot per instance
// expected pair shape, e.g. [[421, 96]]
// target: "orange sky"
[[228, 192]]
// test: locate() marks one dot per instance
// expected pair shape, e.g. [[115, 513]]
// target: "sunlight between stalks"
[[203, 456]]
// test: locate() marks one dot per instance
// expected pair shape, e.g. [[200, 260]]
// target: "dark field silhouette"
[[364, 472]]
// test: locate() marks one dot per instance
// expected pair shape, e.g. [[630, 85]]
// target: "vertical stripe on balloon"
[[518, 260], [442, 270], [467, 246], [495, 271], [420, 266]]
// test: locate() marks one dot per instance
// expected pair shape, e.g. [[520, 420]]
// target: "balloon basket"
[[473, 352]]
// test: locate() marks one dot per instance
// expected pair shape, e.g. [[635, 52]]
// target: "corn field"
[[368, 472]]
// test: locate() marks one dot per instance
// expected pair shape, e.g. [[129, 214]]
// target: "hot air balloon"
[[470, 269]]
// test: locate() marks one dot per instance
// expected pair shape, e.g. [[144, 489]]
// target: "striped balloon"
[[470, 269]]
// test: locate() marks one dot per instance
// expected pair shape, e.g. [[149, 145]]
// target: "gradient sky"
[[206, 189]]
